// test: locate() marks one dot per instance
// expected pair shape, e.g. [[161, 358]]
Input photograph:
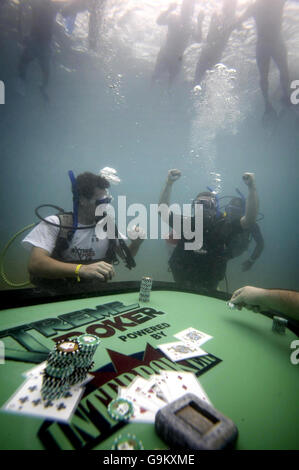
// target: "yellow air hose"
[[2, 256]]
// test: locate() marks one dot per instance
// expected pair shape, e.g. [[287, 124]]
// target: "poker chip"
[[67, 347], [127, 442], [63, 353], [145, 289], [120, 409], [79, 374], [88, 341], [53, 388], [59, 372]]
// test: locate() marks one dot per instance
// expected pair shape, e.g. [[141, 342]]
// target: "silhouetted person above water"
[[270, 44], [37, 45], [217, 38], [181, 33]]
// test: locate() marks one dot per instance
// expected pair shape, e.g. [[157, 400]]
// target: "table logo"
[[91, 424]]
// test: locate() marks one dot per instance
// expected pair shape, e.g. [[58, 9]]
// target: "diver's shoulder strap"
[[65, 234]]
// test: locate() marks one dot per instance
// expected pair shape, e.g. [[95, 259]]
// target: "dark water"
[[103, 111]]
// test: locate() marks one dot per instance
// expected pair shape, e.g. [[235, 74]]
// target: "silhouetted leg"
[[26, 57], [263, 62], [280, 58], [206, 62]]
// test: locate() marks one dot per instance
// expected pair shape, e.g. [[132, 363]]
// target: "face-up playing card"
[[141, 413], [181, 383], [158, 385], [193, 336], [144, 389], [36, 371], [27, 400], [180, 350]]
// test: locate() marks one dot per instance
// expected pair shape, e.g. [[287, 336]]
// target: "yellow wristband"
[[77, 272]]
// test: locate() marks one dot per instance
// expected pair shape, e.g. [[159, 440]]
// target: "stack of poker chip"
[[59, 368], [145, 289], [279, 324], [83, 361]]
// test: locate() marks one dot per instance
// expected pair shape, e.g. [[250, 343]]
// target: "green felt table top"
[[254, 382]]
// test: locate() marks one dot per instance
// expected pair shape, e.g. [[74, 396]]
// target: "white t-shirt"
[[84, 246]]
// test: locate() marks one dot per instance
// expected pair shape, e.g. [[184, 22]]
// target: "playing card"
[[27, 400], [37, 370], [146, 389], [144, 398], [180, 350], [184, 382], [141, 413], [193, 336], [158, 385]]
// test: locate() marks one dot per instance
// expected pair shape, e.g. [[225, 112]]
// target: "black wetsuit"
[[204, 268]]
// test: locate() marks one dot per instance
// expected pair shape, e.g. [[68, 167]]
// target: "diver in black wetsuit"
[[270, 45], [206, 267], [217, 39]]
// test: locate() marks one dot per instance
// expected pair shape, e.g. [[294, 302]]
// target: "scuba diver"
[[181, 32], [72, 252], [234, 210], [206, 267], [217, 39]]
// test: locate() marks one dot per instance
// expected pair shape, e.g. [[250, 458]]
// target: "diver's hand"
[[248, 297], [137, 233], [246, 265], [249, 179], [100, 270], [173, 175]]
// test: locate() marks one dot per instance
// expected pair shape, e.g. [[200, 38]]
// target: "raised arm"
[[248, 220], [259, 241], [173, 175]]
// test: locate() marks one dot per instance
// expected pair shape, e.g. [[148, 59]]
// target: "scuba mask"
[[209, 207]]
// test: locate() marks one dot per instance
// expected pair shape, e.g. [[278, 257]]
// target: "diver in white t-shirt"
[[72, 251]]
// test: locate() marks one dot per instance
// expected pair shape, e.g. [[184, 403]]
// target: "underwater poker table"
[[247, 372]]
